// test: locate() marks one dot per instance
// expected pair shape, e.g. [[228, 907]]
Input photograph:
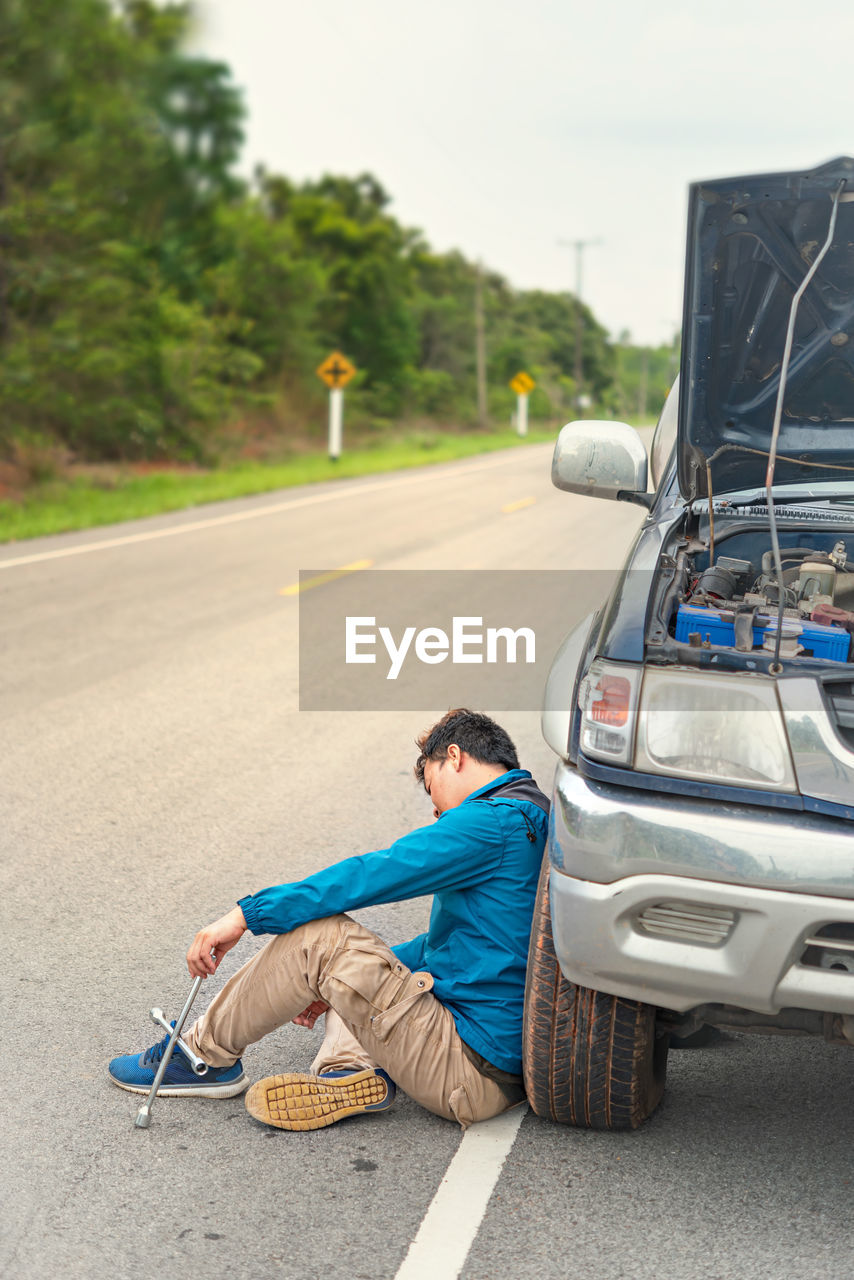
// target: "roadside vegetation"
[[156, 311], [109, 494]]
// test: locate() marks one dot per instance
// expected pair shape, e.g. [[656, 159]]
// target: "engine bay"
[[730, 595]]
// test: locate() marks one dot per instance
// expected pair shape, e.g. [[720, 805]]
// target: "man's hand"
[[219, 937], [309, 1016]]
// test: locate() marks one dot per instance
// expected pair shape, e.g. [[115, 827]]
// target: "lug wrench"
[[200, 1068], [143, 1118]]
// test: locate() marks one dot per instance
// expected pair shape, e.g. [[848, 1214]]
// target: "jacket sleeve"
[[457, 851]]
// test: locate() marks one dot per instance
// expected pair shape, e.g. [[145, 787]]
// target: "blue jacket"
[[481, 860]]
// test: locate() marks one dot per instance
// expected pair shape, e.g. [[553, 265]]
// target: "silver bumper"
[[625, 863]]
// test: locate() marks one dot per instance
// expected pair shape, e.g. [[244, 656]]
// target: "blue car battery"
[[832, 643]]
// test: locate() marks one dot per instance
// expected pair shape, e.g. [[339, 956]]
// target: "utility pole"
[[480, 348], [579, 246]]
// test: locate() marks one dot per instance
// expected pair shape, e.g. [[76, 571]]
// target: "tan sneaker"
[[298, 1101]]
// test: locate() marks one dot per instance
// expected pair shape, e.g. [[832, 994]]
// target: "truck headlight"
[[714, 728]]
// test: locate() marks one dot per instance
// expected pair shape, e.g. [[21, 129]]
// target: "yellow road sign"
[[336, 370], [523, 383]]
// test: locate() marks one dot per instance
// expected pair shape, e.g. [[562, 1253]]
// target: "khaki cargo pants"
[[387, 1016]]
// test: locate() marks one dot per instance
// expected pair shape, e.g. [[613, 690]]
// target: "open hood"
[[751, 241]]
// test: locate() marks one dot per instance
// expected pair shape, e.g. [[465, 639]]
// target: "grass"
[[65, 504]]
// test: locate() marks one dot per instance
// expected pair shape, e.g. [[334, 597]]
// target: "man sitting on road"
[[441, 1015]]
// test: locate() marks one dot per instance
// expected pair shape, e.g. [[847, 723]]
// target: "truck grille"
[[840, 697], [688, 922]]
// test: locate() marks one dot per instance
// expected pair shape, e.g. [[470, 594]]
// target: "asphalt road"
[[155, 766]]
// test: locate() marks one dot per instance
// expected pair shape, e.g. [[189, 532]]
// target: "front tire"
[[589, 1059]]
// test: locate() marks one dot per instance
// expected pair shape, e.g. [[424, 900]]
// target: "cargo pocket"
[[361, 984], [413, 987], [460, 1106]]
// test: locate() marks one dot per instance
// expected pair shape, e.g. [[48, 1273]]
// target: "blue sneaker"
[[297, 1101], [136, 1071]]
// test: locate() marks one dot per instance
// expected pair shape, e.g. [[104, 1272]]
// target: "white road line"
[[256, 513], [450, 1225]]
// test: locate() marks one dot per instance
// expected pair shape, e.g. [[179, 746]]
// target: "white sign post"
[[336, 422], [522, 415], [336, 371]]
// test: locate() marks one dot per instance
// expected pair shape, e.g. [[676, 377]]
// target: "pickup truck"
[[699, 871]]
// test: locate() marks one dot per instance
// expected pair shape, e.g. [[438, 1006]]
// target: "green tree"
[[643, 376], [267, 290], [199, 116], [366, 259], [146, 292], [97, 348]]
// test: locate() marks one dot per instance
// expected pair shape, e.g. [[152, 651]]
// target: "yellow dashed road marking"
[[517, 505], [322, 578]]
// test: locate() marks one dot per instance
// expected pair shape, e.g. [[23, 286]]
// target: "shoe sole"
[[297, 1101], [230, 1090]]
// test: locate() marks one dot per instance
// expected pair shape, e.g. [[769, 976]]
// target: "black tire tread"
[[589, 1059]]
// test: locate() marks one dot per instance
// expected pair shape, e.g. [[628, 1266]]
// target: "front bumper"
[[772, 878]]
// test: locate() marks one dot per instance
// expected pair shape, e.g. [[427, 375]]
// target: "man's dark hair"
[[474, 733]]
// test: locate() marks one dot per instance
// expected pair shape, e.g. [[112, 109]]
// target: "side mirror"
[[601, 460]]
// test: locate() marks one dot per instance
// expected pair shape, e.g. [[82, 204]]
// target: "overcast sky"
[[501, 128]]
